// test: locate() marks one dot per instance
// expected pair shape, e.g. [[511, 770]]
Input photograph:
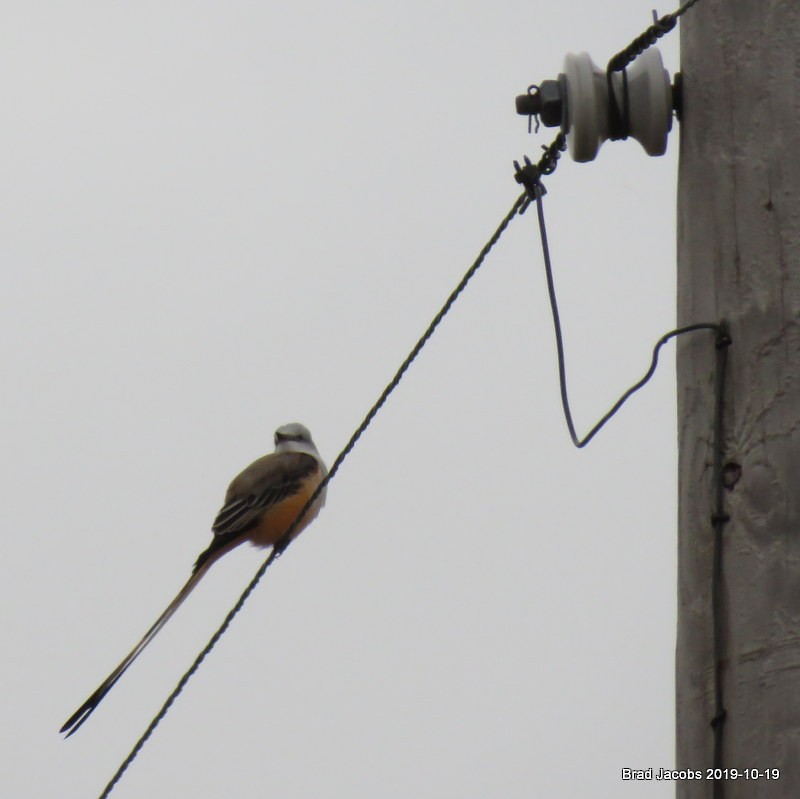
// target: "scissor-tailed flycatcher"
[[260, 505]]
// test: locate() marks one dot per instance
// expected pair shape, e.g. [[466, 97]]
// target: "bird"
[[260, 506]]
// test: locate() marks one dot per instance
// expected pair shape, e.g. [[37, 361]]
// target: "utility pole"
[[739, 260]]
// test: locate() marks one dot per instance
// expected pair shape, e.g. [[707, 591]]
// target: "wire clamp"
[[529, 177]]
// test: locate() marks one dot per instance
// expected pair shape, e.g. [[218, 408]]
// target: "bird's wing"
[[263, 484]]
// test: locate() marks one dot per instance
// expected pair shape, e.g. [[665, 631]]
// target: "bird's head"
[[293, 436]]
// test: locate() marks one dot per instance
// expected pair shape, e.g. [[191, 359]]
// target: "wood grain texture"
[[739, 260]]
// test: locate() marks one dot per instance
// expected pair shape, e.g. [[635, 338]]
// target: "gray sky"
[[220, 217]]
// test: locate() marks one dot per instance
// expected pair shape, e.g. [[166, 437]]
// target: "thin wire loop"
[[719, 517], [562, 370], [519, 204]]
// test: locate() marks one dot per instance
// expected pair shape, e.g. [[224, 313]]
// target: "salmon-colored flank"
[[276, 520]]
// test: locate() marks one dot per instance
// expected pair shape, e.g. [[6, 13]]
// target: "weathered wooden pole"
[[739, 260]]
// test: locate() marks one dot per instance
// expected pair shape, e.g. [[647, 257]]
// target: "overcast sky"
[[220, 217]]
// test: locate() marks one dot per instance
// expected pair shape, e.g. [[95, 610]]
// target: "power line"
[[519, 204], [648, 37]]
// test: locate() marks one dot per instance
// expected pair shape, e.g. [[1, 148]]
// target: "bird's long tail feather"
[[74, 722]]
